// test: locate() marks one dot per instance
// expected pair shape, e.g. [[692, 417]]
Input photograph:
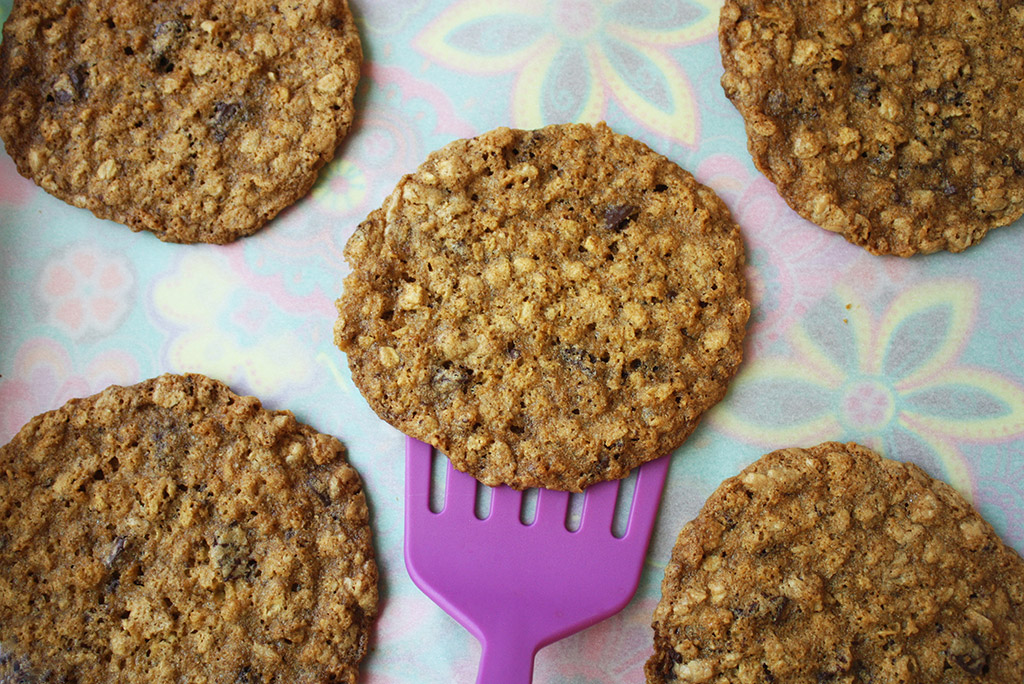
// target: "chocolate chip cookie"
[[833, 564], [175, 531], [196, 120], [549, 308], [897, 124]]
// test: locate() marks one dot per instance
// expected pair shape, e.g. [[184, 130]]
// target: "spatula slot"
[[528, 508], [624, 504], [482, 501], [574, 511], [438, 473]]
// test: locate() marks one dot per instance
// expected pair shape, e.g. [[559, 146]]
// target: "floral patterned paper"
[[921, 358]]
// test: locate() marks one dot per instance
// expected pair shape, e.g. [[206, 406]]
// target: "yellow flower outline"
[[533, 62], [873, 340]]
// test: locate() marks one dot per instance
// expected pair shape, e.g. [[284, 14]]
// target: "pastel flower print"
[[896, 382], [792, 262], [386, 137], [572, 58], [87, 291], [232, 324], [43, 375], [389, 16], [341, 187]]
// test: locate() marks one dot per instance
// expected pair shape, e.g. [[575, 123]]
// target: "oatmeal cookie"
[[833, 564], [897, 123], [197, 120], [548, 308], [174, 531]]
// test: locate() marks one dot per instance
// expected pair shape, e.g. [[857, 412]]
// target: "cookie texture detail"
[[548, 308], [198, 120], [897, 124], [833, 564], [175, 531]]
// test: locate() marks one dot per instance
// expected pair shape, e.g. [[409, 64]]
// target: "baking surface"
[[921, 359]]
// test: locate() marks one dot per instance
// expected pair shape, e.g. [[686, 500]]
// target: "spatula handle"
[[506, 661]]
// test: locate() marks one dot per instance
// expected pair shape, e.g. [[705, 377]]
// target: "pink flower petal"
[[58, 281], [84, 262], [113, 277], [70, 313]]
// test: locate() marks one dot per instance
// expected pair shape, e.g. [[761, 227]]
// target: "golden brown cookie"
[[548, 308], [175, 531], [197, 120], [833, 564], [897, 123]]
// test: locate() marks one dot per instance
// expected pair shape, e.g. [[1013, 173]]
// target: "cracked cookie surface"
[[175, 531], [833, 564], [548, 308], [897, 124], [198, 121]]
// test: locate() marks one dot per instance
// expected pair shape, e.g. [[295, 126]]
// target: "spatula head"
[[542, 577]]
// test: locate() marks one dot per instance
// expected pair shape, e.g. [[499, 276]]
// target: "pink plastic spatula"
[[518, 587]]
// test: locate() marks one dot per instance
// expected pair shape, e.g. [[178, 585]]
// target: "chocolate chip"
[[1014, 162], [115, 552], [174, 28], [972, 665], [225, 114], [666, 659], [773, 608], [230, 553], [20, 75], [166, 36], [16, 671], [617, 216], [115, 561], [882, 157], [951, 96], [112, 583], [834, 665], [779, 608], [579, 359], [70, 86], [968, 654], [862, 672], [864, 88], [77, 77], [225, 111], [317, 489], [777, 103], [449, 378]]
